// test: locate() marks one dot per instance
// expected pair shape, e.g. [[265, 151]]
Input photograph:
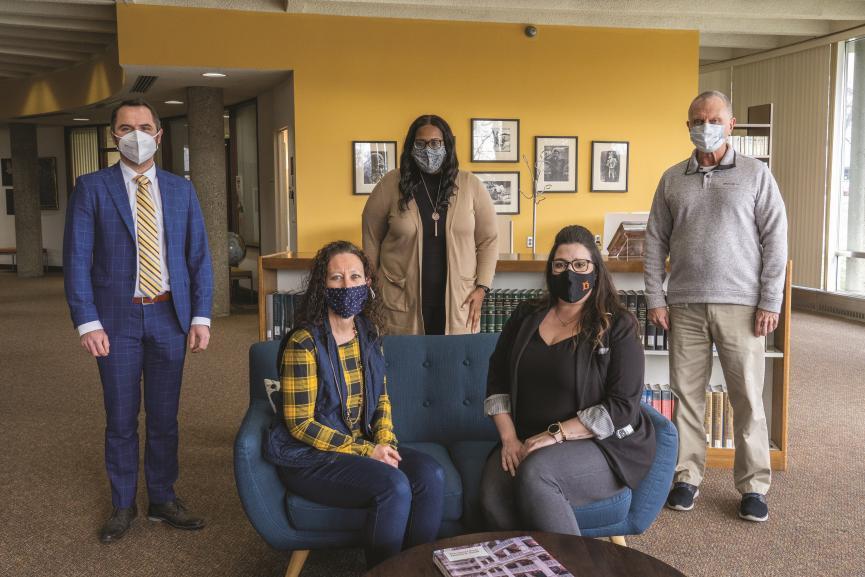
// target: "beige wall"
[[51, 143], [798, 85]]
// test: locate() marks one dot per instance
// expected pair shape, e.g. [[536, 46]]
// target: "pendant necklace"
[[564, 324], [435, 213]]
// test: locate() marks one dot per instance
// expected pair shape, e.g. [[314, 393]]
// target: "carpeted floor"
[[54, 494]]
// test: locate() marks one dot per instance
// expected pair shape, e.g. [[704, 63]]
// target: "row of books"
[[661, 398], [279, 313], [653, 338], [750, 145], [718, 420], [500, 304]]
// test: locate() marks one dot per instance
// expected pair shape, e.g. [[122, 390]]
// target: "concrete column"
[[207, 169], [855, 277], [28, 213]]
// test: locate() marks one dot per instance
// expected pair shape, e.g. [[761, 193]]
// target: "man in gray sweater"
[[720, 218]]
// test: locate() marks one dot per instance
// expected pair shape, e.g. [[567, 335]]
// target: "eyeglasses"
[[433, 143], [126, 129], [579, 265]]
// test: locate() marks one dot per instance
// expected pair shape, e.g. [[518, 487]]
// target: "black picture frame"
[[495, 178], [6, 172], [371, 160], [495, 140], [48, 199], [611, 162], [10, 202], [546, 180]]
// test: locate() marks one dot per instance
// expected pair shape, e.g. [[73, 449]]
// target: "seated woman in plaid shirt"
[[335, 444]]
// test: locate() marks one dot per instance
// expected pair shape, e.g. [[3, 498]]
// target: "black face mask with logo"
[[572, 286]]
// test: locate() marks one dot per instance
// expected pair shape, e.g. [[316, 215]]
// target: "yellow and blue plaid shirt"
[[299, 390]]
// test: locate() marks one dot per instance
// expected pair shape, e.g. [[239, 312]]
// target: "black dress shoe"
[[175, 514], [119, 523]]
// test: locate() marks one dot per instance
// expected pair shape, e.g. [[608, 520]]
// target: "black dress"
[[434, 263], [547, 385]]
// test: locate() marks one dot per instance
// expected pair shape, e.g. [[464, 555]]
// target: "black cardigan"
[[611, 376]]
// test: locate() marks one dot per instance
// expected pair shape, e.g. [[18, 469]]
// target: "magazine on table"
[[516, 557]]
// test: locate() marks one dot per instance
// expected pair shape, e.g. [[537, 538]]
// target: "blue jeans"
[[404, 505]]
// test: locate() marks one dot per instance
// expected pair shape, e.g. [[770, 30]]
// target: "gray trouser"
[[693, 329], [548, 484]]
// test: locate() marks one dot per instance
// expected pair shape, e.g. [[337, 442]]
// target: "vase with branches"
[[535, 196]]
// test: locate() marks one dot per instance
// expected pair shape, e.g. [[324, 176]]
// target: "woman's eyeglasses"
[[578, 265], [433, 143]]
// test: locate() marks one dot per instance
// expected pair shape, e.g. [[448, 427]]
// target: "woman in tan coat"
[[430, 230]]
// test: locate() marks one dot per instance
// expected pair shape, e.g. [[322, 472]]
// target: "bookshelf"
[[286, 271], [759, 125]]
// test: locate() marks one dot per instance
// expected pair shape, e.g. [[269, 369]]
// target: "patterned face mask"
[[429, 160], [346, 301]]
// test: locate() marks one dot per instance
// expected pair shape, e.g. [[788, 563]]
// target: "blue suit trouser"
[[149, 343]]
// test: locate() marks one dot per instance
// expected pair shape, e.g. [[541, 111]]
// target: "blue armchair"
[[437, 386]]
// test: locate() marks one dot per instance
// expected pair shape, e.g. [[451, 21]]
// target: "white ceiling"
[[37, 36]]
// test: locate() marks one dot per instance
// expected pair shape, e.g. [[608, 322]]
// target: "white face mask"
[[708, 137], [137, 146]]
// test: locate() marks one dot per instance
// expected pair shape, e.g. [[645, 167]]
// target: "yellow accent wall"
[[367, 79]]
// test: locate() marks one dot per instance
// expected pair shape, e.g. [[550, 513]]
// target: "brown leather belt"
[[149, 301]]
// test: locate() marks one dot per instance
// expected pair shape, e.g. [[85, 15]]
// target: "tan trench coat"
[[393, 242]]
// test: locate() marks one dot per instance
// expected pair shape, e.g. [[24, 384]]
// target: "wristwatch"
[[486, 289], [556, 432]]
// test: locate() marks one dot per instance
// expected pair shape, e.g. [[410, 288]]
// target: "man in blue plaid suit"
[[139, 284]]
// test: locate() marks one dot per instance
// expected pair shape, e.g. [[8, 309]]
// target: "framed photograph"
[[6, 171], [48, 199], [495, 140], [10, 202], [48, 184], [609, 166], [372, 160], [504, 189], [556, 163]]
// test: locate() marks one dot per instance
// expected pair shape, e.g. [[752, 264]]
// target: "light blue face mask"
[[708, 137]]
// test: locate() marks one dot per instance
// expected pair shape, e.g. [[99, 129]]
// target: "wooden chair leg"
[[295, 564], [618, 540]]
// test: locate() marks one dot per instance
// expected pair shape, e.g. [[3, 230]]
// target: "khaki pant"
[[693, 329]]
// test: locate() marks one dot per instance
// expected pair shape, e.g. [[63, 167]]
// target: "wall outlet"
[[530, 242], [598, 239]]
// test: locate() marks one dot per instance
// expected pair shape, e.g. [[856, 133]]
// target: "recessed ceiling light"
[[225, 116], [81, 119], [173, 102], [213, 75]]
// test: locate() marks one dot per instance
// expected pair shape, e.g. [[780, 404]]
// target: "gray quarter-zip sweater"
[[725, 232]]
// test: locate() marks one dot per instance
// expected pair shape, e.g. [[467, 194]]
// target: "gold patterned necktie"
[[149, 269]]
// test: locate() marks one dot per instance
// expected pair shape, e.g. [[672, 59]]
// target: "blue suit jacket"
[[99, 249]]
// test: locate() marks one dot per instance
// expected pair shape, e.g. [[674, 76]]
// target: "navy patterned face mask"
[[346, 301]]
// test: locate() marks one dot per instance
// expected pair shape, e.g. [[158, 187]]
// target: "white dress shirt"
[[131, 192]]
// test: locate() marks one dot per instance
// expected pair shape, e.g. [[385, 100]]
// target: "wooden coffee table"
[[582, 556]]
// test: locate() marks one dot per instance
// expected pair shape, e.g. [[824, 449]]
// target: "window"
[[849, 229]]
